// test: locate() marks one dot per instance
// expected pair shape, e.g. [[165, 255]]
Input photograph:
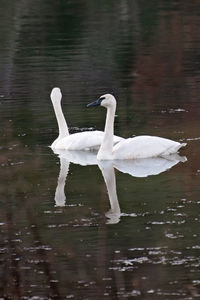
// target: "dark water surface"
[[87, 238]]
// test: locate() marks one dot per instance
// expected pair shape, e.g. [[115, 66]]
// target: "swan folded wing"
[[145, 146], [87, 140]]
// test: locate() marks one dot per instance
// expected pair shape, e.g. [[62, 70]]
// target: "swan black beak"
[[96, 103]]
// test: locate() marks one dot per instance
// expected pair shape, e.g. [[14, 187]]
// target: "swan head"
[[106, 100], [56, 94]]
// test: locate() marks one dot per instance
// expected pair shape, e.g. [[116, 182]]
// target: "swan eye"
[[102, 98]]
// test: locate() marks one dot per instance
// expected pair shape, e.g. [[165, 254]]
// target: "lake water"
[[97, 231]]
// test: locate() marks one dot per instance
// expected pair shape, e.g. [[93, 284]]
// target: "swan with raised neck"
[[106, 149], [56, 97], [86, 140], [132, 148]]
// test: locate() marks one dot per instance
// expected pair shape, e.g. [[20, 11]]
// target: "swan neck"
[[62, 125], [107, 144]]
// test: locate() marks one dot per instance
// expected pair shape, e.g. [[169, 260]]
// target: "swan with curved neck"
[[132, 148], [56, 97], [87, 140]]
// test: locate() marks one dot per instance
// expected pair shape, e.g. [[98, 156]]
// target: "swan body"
[[87, 140], [132, 148]]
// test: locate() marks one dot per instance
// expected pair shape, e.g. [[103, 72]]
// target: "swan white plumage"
[[87, 140], [132, 148]]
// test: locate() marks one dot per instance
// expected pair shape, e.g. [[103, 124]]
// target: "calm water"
[[75, 231]]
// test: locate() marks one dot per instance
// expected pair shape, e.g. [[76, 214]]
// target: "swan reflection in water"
[[136, 168], [108, 172], [60, 197], [82, 158]]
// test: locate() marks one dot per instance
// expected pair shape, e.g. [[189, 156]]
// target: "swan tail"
[[175, 157], [183, 158], [174, 149], [183, 144], [180, 146]]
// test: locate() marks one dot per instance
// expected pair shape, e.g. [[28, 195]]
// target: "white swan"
[[132, 148], [87, 140]]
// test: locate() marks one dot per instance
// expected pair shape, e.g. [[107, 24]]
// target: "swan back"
[[145, 146], [87, 140]]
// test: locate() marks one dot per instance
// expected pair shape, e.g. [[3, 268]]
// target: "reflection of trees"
[[166, 73]]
